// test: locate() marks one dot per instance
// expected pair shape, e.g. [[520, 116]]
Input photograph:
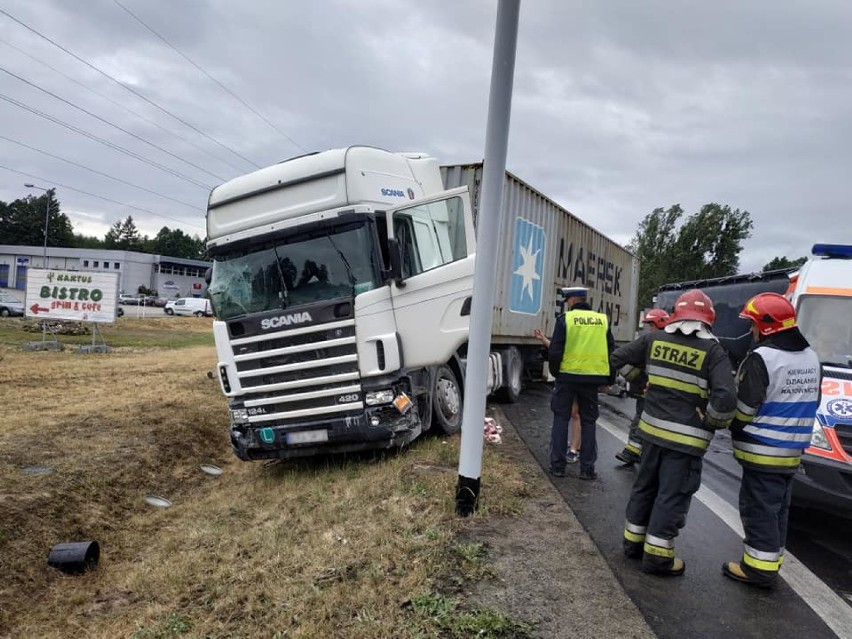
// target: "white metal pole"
[[494, 175]]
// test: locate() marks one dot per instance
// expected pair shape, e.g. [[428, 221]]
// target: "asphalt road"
[[811, 601]]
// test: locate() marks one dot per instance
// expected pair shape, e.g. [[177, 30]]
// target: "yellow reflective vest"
[[586, 351]]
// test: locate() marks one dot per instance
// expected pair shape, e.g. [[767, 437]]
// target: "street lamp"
[[46, 217]]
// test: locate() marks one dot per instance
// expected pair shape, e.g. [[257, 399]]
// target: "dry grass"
[[332, 547]]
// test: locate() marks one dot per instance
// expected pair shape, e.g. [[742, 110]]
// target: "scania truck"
[[821, 292], [342, 284]]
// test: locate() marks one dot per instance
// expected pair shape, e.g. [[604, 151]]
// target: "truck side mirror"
[[208, 275], [395, 255]]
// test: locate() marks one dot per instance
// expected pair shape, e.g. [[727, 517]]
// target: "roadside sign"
[[71, 295]]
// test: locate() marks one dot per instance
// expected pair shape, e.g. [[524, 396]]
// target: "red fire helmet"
[[656, 316], [694, 305], [770, 312]]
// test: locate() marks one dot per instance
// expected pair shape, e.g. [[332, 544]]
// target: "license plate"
[[307, 437]]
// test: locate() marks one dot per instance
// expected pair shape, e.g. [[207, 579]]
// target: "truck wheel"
[[447, 401], [514, 371]]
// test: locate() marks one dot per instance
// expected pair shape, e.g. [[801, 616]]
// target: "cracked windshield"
[[825, 323], [293, 271]]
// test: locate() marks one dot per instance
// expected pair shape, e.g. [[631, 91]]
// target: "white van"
[[197, 306]]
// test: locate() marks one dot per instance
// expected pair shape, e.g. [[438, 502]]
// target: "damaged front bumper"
[[375, 428]]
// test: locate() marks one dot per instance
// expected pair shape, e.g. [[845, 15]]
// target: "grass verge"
[[354, 546]]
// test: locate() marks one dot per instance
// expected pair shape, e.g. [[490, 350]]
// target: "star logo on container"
[[525, 289]]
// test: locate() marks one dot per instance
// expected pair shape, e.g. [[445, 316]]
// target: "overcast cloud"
[[619, 107]]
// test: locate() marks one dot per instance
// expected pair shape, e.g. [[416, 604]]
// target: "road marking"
[[828, 605]]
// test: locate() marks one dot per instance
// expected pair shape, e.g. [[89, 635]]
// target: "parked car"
[[133, 300], [10, 305], [119, 312], [197, 306]]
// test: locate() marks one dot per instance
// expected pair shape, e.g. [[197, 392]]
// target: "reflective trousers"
[[634, 442], [764, 510], [658, 504]]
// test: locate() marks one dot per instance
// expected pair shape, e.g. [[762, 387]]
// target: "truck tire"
[[514, 374], [446, 401]]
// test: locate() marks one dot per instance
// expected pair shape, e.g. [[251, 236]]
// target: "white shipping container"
[[543, 247]]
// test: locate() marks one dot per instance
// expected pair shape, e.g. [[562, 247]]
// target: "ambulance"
[[821, 291]]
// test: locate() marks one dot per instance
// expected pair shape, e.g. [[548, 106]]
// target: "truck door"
[[431, 299]]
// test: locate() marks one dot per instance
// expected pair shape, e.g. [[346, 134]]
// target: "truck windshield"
[[324, 264], [825, 322]]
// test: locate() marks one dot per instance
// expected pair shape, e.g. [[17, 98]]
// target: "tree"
[[87, 242], [652, 244], [176, 243], [782, 262], [123, 236], [22, 221], [708, 244]]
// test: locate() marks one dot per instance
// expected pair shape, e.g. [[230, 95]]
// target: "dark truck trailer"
[[729, 295]]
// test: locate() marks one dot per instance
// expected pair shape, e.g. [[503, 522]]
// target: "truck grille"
[[294, 373]]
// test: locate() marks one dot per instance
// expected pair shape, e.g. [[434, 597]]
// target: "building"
[[168, 276]]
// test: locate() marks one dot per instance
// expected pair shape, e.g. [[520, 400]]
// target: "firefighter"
[[690, 394], [578, 358], [777, 399], [655, 320]]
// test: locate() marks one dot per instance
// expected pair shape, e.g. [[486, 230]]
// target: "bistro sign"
[[72, 296]]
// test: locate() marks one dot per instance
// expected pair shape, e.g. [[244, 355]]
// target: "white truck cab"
[[341, 285]]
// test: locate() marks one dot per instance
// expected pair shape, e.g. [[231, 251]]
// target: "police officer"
[[655, 320], [578, 358], [690, 394], [777, 399]]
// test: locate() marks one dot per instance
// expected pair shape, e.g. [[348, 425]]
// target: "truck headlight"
[[818, 438], [379, 397], [239, 416]]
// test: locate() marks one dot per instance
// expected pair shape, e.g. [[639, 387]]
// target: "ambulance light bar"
[[832, 250]]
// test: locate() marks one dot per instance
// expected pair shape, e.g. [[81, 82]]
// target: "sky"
[[140, 107]]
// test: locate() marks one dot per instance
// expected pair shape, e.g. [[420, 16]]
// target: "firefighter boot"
[[734, 570], [632, 549], [627, 457], [677, 568]]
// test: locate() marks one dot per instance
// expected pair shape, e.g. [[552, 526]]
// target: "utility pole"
[[494, 176], [46, 218]]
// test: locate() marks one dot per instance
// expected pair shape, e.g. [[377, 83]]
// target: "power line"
[[103, 141], [107, 122], [131, 89], [221, 86], [121, 106], [101, 197], [87, 168]]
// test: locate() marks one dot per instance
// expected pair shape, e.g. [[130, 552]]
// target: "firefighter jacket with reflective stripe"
[[580, 348], [690, 393], [777, 399]]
